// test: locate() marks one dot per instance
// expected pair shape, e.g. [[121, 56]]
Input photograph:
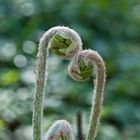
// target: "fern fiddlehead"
[[60, 130], [64, 42], [85, 64]]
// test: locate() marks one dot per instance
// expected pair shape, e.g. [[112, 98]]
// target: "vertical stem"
[[125, 134], [38, 98], [40, 82], [79, 126], [97, 99]]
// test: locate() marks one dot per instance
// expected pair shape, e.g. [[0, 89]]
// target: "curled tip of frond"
[[81, 67], [84, 65], [60, 130], [63, 41]]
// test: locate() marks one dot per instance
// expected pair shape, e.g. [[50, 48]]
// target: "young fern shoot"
[[64, 42], [82, 66], [67, 44], [60, 130]]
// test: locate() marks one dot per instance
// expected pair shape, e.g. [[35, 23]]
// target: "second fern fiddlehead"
[[85, 64]]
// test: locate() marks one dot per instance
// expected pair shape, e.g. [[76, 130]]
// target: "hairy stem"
[[98, 96], [39, 87], [82, 66], [72, 44]]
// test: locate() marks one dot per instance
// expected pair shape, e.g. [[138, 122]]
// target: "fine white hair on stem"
[[82, 66], [66, 43]]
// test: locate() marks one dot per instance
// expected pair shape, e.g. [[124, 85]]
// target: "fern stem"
[[72, 45], [98, 96], [82, 66]]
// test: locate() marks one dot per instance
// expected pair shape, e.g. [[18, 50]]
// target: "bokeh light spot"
[[20, 60], [9, 49], [27, 9], [29, 46]]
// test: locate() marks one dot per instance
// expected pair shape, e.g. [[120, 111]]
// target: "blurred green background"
[[111, 27]]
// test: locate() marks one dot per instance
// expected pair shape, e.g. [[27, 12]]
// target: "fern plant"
[[67, 44]]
